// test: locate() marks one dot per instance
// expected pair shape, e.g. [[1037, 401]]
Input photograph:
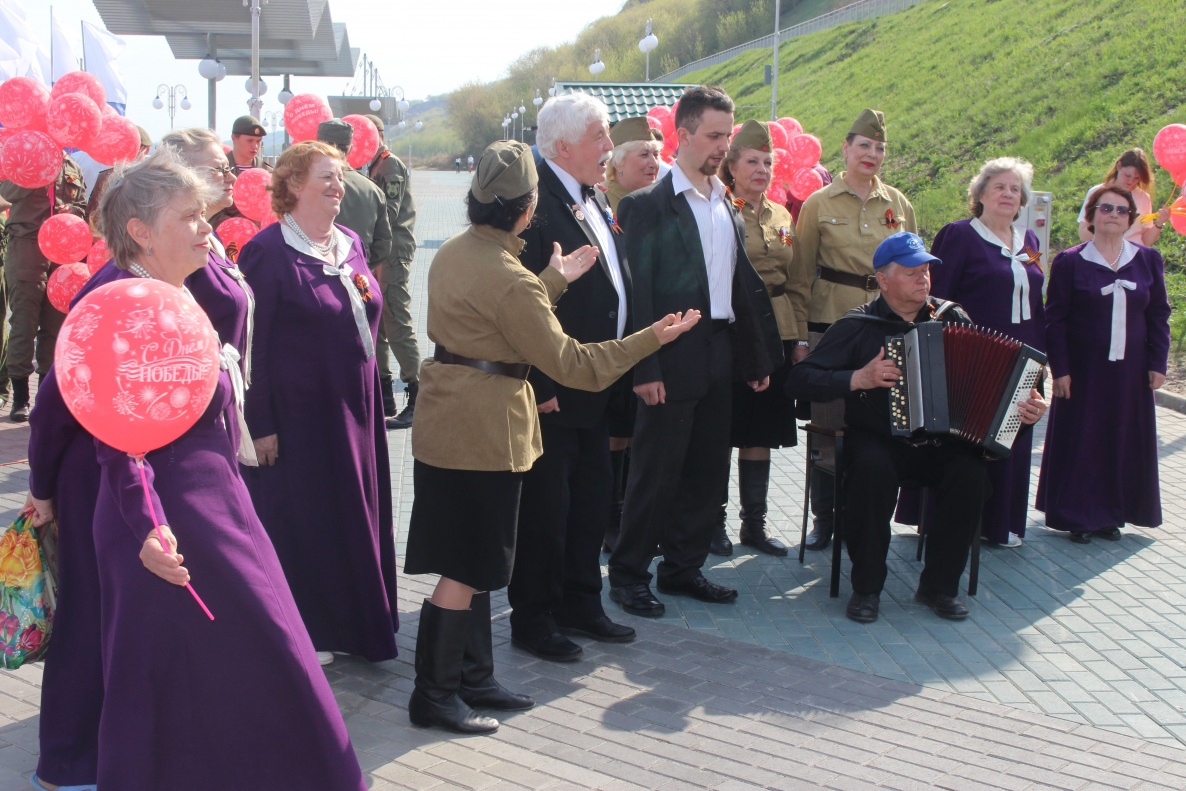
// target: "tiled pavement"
[[1069, 673]]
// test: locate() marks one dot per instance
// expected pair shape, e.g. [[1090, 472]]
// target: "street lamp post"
[[274, 120], [283, 97], [647, 45], [255, 105], [596, 67], [211, 70], [774, 76], [523, 122], [171, 94], [538, 102], [506, 122]]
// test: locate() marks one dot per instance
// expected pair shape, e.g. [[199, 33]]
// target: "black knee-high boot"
[[620, 463], [479, 688], [440, 647], [754, 483]]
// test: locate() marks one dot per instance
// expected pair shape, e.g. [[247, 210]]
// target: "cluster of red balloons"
[[795, 156], [39, 122], [1169, 149], [662, 118], [65, 239]]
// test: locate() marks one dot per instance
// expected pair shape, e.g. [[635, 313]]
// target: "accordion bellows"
[[961, 380]]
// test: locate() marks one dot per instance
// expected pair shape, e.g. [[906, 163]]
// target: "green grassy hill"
[[1065, 84]]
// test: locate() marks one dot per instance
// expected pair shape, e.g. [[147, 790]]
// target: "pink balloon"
[[782, 167], [804, 182], [23, 102], [137, 363], [80, 82], [1178, 216], [268, 219], [804, 151], [5, 134], [366, 140], [73, 120], [1169, 147], [659, 112], [251, 193], [303, 113], [776, 194], [236, 232], [653, 123], [31, 159], [64, 238], [790, 126], [736, 129], [778, 136], [667, 155], [64, 283], [118, 141], [97, 256]]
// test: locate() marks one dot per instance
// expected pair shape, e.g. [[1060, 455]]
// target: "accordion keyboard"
[[899, 402], [1012, 422]]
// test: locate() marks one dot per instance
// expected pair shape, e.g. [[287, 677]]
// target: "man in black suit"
[[555, 588], [686, 246]]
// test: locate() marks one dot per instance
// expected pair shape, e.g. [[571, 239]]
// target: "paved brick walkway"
[[1069, 673]]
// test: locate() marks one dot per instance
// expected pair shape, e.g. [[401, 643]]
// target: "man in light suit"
[[555, 589], [686, 245]]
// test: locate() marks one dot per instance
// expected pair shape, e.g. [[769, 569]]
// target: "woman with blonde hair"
[[1131, 171]]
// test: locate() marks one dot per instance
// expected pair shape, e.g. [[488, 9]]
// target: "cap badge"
[[914, 243]]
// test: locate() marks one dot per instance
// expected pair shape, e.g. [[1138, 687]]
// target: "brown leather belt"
[[513, 370], [863, 282]]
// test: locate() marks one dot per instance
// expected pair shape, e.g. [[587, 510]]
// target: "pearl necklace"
[[323, 249], [139, 271]]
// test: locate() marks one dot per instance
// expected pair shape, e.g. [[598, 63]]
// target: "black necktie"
[[587, 193]]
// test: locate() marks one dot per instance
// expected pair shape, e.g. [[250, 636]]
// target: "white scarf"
[[1017, 261], [232, 269], [1117, 289], [344, 273], [228, 359]]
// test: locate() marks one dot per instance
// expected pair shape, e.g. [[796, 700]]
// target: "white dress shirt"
[[605, 238], [718, 239]]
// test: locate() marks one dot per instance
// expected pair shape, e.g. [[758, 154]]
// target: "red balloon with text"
[[303, 113], [137, 363], [1169, 148]]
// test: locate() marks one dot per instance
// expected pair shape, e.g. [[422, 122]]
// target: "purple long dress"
[[62, 466], [326, 503], [978, 274], [193, 704], [1099, 466]]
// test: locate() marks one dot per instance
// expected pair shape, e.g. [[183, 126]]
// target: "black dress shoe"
[[700, 588], [863, 607], [818, 539], [600, 628], [638, 600], [554, 647], [945, 606], [760, 540], [720, 544], [1109, 533], [1081, 538]]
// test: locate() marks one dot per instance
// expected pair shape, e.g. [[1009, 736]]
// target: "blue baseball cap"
[[904, 249]]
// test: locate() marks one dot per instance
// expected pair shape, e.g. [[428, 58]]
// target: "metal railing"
[[853, 12]]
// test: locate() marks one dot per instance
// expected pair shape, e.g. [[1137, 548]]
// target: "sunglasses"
[[1108, 208], [223, 172]]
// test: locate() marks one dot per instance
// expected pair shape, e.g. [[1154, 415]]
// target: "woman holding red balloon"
[[314, 408], [765, 420], [138, 365]]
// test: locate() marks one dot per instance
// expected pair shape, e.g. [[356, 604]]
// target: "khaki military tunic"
[[770, 243], [484, 304], [614, 192], [364, 211], [836, 230], [391, 175]]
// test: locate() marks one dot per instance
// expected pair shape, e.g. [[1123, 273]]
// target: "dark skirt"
[[463, 525], [765, 419]]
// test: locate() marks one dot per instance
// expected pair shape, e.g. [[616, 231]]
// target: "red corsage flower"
[[890, 220], [363, 286]]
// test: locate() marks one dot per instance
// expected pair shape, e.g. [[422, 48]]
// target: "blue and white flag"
[[99, 51]]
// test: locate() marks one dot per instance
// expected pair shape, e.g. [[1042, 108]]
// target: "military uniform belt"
[[513, 370], [777, 291], [863, 282]]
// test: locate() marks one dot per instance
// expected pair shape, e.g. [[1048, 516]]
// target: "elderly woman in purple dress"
[[176, 713], [323, 487], [64, 482], [992, 268], [1108, 337]]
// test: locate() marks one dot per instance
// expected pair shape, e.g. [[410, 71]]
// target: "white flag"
[[32, 60], [99, 51], [62, 53]]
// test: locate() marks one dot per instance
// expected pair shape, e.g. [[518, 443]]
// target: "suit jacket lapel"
[[690, 234], [548, 177]]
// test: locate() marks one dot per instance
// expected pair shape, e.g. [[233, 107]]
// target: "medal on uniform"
[[576, 211], [784, 236], [612, 220], [363, 285], [890, 220]]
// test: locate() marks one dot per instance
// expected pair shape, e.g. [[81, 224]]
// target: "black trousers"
[[875, 465], [679, 465], [563, 514]]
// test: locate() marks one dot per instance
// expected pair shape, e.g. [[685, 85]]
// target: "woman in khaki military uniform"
[[477, 429], [635, 161], [838, 230], [765, 420]]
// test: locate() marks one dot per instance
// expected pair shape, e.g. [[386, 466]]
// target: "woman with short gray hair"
[[634, 163], [158, 652], [993, 269]]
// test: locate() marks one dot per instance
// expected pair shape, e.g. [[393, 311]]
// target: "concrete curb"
[[1170, 401]]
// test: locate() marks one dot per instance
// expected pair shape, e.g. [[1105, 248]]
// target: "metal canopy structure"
[[297, 37]]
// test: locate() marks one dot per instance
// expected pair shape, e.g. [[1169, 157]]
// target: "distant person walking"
[[458, 163], [470, 160]]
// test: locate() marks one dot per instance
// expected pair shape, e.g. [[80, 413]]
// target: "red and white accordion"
[[962, 381]]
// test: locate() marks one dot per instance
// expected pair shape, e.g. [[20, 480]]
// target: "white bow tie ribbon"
[[1021, 286], [239, 278], [228, 360], [356, 306], [1119, 316]]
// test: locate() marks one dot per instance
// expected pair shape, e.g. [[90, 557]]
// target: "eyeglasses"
[[1108, 208], [223, 171]]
